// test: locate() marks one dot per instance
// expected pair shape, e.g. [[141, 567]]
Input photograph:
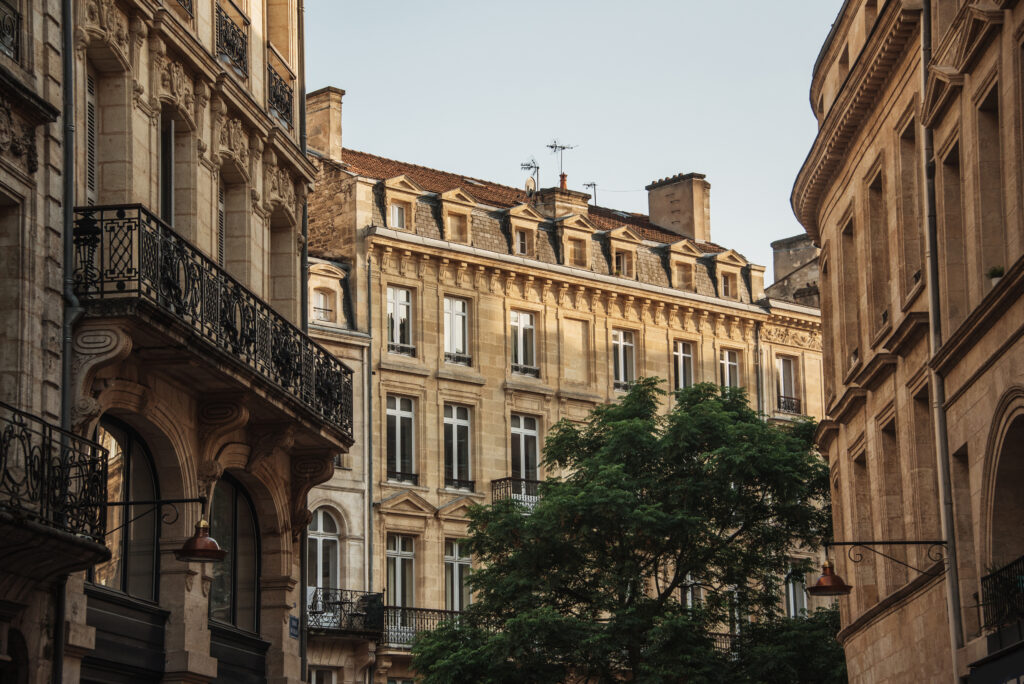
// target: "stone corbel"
[[138, 31], [95, 346], [423, 266], [307, 471], [269, 443]]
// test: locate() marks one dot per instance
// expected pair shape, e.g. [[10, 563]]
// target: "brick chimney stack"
[[323, 121], [681, 204]]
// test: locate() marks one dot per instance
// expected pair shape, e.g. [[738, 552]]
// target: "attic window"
[[623, 263], [398, 215], [578, 253], [323, 308], [729, 288], [683, 277], [458, 227], [522, 243]]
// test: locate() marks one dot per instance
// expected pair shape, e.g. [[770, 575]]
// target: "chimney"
[[681, 204], [561, 201], [323, 121]]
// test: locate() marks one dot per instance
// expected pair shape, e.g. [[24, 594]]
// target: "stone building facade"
[[795, 262], [924, 375], [190, 375], [482, 315]]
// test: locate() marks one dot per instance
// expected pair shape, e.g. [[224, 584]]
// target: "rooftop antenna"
[[534, 170], [592, 186], [559, 149]]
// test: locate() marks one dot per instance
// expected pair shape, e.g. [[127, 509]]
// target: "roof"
[[495, 194]]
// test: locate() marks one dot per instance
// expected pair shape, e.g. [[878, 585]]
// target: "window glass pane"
[[531, 457], [109, 574], [517, 468], [392, 581], [141, 547], [392, 442], [462, 449], [406, 444], [311, 561], [464, 598], [449, 587], [248, 579], [329, 564], [407, 582], [329, 525], [449, 446], [221, 524], [528, 358]]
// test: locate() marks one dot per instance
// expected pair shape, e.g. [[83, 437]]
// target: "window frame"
[[521, 242], [393, 216], [454, 478], [393, 463], [238, 493], [623, 374], [624, 263], [682, 364], [457, 569], [794, 579], [397, 345], [788, 403], [521, 433], [316, 538], [724, 364], [392, 557], [518, 332], [323, 314], [453, 321]]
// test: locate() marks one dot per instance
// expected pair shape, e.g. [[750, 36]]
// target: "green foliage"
[[590, 584], [791, 651]]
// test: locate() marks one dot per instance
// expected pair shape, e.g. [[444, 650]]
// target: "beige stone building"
[[913, 192], [478, 315], [177, 361]]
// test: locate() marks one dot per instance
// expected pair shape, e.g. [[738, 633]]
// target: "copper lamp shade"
[[829, 584], [201, 547]]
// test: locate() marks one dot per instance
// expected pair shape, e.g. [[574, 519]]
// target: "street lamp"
[[200, 547], [831, 584]]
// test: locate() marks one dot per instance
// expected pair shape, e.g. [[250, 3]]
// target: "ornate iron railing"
[[789, 404], [1002, 595], [399, 348], [126, 252], [526, 492], [722, 641], [461, 359], [532, 371], [51, 476], [622, 385], [456, 483], [232, 42], [279, 96], [10, 30], [399, 476], [345, 611], [187, 6], [401, 625]]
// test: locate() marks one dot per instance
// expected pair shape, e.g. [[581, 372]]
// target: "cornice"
[[877, 370], [825, 434], [910, 329], [852, 399], [859, 95]]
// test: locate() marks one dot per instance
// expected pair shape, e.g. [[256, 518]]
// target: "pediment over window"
[[980, 20], [685, 247], [579, 223], [944, 82], [456, 509], [523, 223], [730, 258], [407, 503], [526, 213], [400, 196], [456, 214], [625, 234], [404, 184], [459, 196]]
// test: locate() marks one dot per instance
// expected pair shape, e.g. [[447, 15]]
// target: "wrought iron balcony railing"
[[456, 483], [401, 625], [400, 476], [1002, 595], [232, 42], [187, 6], [622, 385], [722, 641], [521, 369], [526, 492], [10, 30], [279, 96], [50, 476], [461, 359], [344, 611], [399, 348], [126, 253], [789, 404]]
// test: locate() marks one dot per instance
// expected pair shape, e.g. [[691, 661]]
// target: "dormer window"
[[458, 228], [624, 264], [522, 243], [323, 306], [730, 290], [578, 253], [398, 212], [683, 277]]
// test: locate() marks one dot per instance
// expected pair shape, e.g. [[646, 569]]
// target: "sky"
[[643, 89]]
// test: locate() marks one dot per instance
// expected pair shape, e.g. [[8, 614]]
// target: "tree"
[[662, 530]]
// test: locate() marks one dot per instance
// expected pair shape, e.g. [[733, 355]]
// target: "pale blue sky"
[[644, 89]]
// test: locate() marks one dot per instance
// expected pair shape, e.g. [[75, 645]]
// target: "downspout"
[[72, 310], [758, 366], [303, 600], [304, 265], [938, 388], [368, 429]]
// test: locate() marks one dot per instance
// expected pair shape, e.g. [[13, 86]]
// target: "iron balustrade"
[[398, 476], [722, 641], [399, 348], [456, 483], [51, 476], [1002, 595], [125, 253], [187, 6], [279, 96], [622, 385], [10, 30], [345, 611], [232, 42], [401, 625], [532, 371], [462, 359], [526, 492], [789, 404]]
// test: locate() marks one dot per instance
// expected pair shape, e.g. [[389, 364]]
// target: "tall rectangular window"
[[524, 447], [993, 252], [578, 252], [322, 676], [400, 321], [684, 277], [456, 570], [912, 242], [729, 362], [401, 440], [166, 162], [878, 250], [91, 134], [953, 269], [401, 558], [623, 359], [624, 264], [221, 223], [796, 593], [456, 328], [524, 359], [522, 243], [456, 447], [849, 285], [397, 215], [786, 368], [458, 225], [682, 364]]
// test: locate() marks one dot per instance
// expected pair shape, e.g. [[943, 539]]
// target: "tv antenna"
[[534, 170], [592, 186], [558, 148]]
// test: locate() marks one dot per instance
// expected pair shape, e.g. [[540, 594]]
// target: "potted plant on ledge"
[[995, 274]]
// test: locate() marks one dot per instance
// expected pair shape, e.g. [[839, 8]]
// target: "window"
[[134, 534], [321, 676], [522, 242], [684, 277], [524, 447], [523, 351], [682, 364], [456, 447], [91, 126], [729, 360], [323, 552], [458, 227], [166, 166], [578, 252], [624, 264], [789, 402], [398, 210], [400, 321], [221, 225], [796, 593], [401, 442], [693, 592], [235, 591], [322, 306], [623, 358], [400, 566], [729, 288], [456, 329], [456, 570]]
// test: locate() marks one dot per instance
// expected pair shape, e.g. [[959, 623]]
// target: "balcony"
[[53, 495], [789, 404], [1002, 595], [187, 6], [10, 31], [622, 385], [526, 492], [233, 38], [344, 612], [125, 256], [280, 100], [401, 625]]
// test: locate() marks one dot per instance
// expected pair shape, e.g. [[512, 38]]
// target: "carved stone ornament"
[[17, 139], [792, 337], [102, 21], [278, 185], [308, 470], [177, 85], [234, 142]]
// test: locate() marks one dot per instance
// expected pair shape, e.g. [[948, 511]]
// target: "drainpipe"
[[368, 429], [304, 265], [758, 367], [303, 600], [938, 388], [72, 310]]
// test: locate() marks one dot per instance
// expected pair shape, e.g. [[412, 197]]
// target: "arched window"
[[133, 532], [323, 561], [235, 593]]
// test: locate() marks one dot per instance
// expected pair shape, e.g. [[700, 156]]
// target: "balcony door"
[[524, 459], [323, 567]]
